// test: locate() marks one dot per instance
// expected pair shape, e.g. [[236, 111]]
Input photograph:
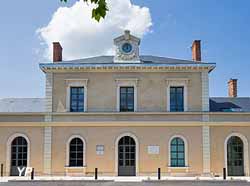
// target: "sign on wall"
[[99, 149], [153, 149]]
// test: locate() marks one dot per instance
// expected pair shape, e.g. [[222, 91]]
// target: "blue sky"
[[223, 26]]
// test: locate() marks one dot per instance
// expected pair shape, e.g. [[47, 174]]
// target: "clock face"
[[127, 48]]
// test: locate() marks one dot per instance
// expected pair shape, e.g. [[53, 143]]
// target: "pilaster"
[[48, 130], [205, 128]]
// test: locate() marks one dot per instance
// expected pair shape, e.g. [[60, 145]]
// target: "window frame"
[[176, 98], [178, 152], [245, 151], [126, 82], [185, 152], [72, 87], [68, 151], [177, 82], [127, 103], [76, 83], [8, 147]]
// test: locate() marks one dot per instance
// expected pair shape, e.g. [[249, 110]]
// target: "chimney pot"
[[196, 50], [57, 52], [232, 88]]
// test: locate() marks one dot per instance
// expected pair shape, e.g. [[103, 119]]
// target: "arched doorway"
[[19, 155], [235, 156], [126, 156]]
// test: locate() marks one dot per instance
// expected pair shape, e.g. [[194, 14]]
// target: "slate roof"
[[220, 104], [147, 59], [22, 105]]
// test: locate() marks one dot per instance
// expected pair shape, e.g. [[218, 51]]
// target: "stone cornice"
[[80, 67]]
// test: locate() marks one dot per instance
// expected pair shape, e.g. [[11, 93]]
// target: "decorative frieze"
[[133, 67]]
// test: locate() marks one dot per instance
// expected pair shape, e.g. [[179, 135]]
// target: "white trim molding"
[[76, 83], [8, 152], [47, 141], [245, 149], [185, 149], [47, 153], [124, 82], [175, 82], [206, 149], [49, 97], [68, 148], [205, 91], [137, 151]]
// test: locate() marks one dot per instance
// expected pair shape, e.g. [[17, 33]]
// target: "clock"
[[127, 48]]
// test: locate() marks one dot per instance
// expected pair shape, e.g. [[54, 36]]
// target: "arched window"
[[177, 152], [76, 152], [19, 154]]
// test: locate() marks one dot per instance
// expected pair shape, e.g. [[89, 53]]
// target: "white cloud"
[[82, 36]]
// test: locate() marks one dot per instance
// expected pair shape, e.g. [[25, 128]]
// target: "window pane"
[[181, 148], [173, 155], [127, 99], [81, 90], [180, 141], [181, 163], [77, 99], [120, 163], [176, 99], [177, 152], [127, 162], [181, 155], [173, 163], [173, 148], [76, 152]]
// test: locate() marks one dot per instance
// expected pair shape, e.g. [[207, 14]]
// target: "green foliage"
[[100, 11]]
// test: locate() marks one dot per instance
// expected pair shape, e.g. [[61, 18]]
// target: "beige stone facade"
[[152, 126]]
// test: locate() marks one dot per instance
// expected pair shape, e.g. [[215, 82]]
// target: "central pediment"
[[126, 48]]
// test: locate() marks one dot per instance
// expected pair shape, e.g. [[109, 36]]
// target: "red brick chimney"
[[232, 88], [57, 52], [196, 50]]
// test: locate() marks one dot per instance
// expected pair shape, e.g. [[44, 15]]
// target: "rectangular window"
[[176, 99], [99, 149], [77, 99], [126, 99]]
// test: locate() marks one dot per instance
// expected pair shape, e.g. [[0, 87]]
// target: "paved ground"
[[112, 183]]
